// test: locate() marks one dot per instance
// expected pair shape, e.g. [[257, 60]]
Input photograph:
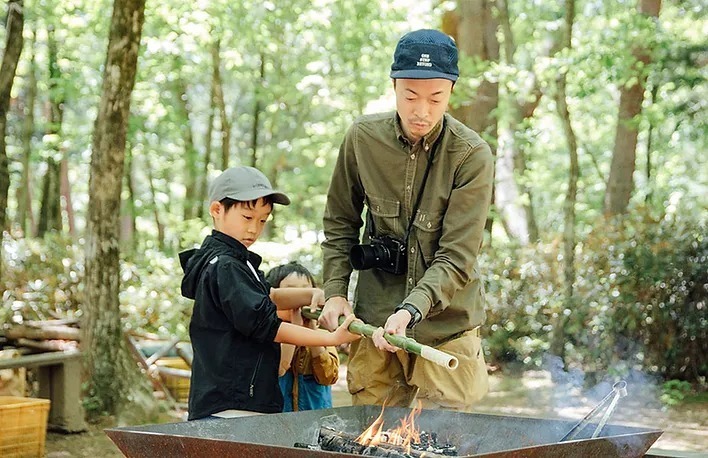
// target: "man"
[[426, 182]]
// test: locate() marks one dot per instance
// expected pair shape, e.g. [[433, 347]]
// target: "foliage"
[[640, 286], [640, 305], [39, 286], [674, 392], [42, 279]]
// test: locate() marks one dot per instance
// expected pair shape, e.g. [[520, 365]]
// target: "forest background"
[[595, 252]]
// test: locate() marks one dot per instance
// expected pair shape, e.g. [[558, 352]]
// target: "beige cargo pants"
[[376, 376]]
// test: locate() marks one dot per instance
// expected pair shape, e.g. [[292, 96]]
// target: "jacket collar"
[[237, 248]]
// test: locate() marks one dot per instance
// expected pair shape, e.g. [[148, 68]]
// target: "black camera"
[[385, 253]]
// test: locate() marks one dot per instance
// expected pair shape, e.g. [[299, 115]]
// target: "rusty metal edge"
[[601, 447], [141, 444]]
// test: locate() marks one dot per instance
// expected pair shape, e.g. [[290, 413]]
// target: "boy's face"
[[241, 222], [421, 104], [295, 280]]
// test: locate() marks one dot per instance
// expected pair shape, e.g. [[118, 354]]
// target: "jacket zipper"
[[253, 378]]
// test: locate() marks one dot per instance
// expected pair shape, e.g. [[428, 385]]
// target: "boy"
[[235, 331], [306, 373]]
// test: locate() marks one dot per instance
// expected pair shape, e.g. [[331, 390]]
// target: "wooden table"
[[59, 376]]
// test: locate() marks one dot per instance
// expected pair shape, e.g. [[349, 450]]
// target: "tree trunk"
[[65, 192], [8, 68], [514, 199], [215, 81], [50, 206], [127, 225], [257, 114], [223, 116], [474, 30], [653, 94], [155, 211], [558, 338], [190, 151], [620, 182], [114, 382], [24, 202], [50, 212]]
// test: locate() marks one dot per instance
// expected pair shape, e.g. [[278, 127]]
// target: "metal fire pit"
[[474, 435]]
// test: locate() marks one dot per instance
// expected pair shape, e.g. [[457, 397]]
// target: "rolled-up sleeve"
[[325, 367]]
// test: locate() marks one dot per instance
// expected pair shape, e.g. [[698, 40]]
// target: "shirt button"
[[429, 224], [412, 156], [410, 280], [427, 147], [408, 188], [412, 249]]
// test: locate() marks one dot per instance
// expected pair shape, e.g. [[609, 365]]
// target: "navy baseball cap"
[[425, 54]]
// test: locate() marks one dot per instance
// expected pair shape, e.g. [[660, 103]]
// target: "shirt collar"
[[428, 140]]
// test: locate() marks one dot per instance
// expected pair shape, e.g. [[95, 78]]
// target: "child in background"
[[235, 331], [306, 373]]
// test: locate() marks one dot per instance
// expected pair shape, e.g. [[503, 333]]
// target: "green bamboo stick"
[[406, 343]]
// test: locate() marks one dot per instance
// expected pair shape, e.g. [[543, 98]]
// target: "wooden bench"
[[59, 376]]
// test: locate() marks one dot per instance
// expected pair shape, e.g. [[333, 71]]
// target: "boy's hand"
[[334, 308], [318, 299], [308, 323], [296, 317], [342, 334]]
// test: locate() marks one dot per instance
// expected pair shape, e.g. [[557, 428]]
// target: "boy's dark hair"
[[228, 202], [277, 274]]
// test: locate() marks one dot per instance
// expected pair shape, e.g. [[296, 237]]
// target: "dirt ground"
[[534, 394]]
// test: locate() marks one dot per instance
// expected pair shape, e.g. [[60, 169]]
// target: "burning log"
[[336, 441]]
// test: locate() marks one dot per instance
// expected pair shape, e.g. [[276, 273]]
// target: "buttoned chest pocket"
[[428, 227], [386, 215]]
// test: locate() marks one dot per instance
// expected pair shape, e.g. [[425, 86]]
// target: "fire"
[[404, 435]]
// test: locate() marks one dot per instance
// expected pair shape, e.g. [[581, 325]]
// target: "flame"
[[404, 435]]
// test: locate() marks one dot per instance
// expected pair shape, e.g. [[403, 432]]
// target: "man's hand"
[[395, 324], [334, 308]]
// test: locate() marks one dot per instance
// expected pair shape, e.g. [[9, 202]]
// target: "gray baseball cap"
[[244, 184]]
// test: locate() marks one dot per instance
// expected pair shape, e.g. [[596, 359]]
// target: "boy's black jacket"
[[233, 329]]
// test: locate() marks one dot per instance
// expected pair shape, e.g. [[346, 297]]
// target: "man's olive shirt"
[[378, 166]]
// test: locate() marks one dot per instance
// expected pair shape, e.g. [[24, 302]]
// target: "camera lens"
[[363, 257]]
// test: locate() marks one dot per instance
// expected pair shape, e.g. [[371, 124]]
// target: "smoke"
[[573, 395]]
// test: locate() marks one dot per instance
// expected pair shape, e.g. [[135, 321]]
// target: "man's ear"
[[215, 208]]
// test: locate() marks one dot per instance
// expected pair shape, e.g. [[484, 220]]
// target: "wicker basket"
[[23, 426], [178, 386]]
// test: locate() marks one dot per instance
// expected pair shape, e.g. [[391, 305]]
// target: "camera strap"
[[433, 150]]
